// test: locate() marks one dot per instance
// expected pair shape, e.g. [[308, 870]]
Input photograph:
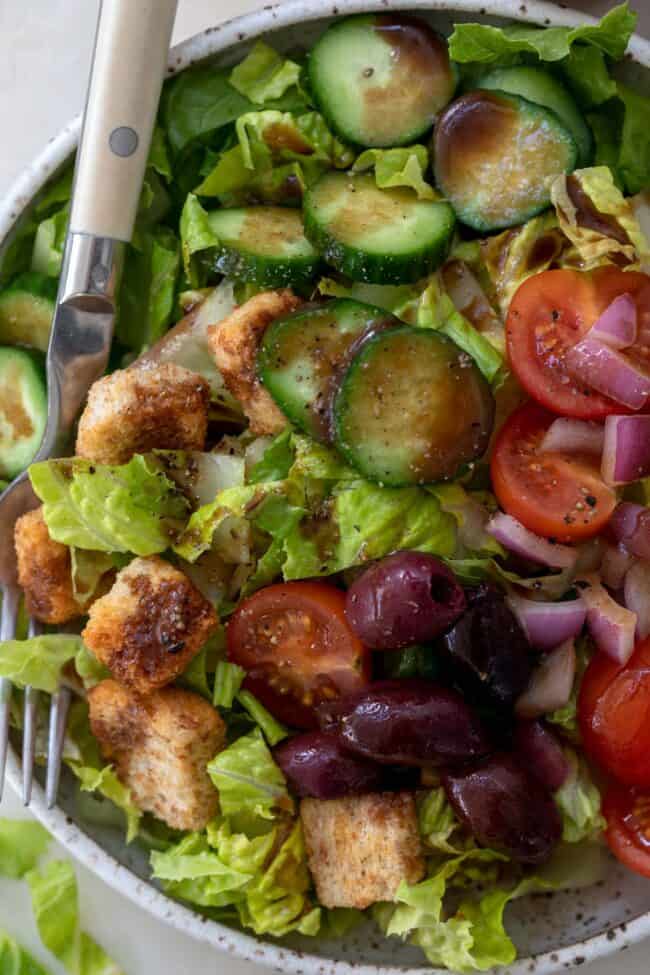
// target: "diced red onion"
[[547, 625], [516, 538], [542, 753], [626, 450], [574, 436], [637, 597], [616, 563], [551, 684], [617, 326], [630, 525], [609, 372], [612, 626]]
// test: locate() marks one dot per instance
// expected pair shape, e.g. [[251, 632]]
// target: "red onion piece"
[[513, 536], [542, 754], [617, 326], [551, 684], [611, 625], [630, 525], [616, 563], [574, 436], [637, 597], [609, 372], [626, 450], [547, 625]]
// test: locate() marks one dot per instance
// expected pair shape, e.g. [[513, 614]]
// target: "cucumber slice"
[[379, 79], [496, 156], [23, 409], [303, 355], [537, 86], [412, 409], [265, 246], [376, 236], [26, 310]]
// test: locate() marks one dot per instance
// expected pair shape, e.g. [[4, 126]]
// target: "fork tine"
[[8, 616], [58, 717], [30, 713]]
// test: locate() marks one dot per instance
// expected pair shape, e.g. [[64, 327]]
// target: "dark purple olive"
[[315, 764], [489, 650], [407, 722], [406, 598], [541, 753], [505, 808]]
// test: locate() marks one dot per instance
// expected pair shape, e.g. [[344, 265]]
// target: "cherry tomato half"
[[295, 643], [614, 715], [627, 812], [560, 496], [549, 314]]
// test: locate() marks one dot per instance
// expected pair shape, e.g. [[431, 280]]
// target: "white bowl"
[[552, 932]]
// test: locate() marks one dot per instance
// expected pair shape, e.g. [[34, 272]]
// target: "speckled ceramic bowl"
[[552, 932]]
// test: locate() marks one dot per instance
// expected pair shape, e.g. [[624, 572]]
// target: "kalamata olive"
[[506, 808], [315, 764], [408, 722], [489, 650], [541, 753], [408, 597]]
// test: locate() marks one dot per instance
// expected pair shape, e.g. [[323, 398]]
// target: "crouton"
[[234, 343], [44, 571], [160, 746], [135, 410], [360, 848], [150, 624]]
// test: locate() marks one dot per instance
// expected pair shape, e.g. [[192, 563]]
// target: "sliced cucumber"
[[536, 85], [412, 409], [23, 409], [26, 310], [265, 246], [376, 236], [496, 156], [302, 356], [379, 79]]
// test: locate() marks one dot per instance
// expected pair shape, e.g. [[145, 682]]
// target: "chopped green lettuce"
[[38, 662], [579, 802], [228, 679], [22, 843], [89, 669], [196, 236], [47, 256], [586, 72], [148, 289], [403, 166], [88, 571], [194, 871], [276, 461], [264, 74], [131, 508], [15, 960], [249, 782], [272, 730], [199, 102], [437, 822], [634, 157]]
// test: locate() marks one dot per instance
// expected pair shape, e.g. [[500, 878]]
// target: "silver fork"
[[126, 77]]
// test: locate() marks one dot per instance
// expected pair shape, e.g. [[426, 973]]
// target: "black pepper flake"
[[591, 501], [175, 647], [555, 314]]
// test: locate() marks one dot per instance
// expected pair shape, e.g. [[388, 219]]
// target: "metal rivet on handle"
[[123, 141]]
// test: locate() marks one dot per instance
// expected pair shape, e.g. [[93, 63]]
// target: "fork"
[[129, 61]]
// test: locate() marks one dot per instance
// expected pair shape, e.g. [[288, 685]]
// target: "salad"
[[351, 567]]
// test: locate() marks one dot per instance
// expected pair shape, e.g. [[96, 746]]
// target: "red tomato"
[[549, 314], [614, 715], [295, 643], [560, 496], [627, 812]]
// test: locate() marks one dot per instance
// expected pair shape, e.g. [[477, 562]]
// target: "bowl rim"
[[212, 41]]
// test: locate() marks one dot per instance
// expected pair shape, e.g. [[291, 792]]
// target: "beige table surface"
[[44, 54]]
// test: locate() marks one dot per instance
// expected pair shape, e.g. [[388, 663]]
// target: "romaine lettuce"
[[249, 782], [404, 166], [264, 74], [15, 960], [22, 843], [38, 662], [579, 803]]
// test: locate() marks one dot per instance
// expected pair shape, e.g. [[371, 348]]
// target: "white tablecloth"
[[44, 55]]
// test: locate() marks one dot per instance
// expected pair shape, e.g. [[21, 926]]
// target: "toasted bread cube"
[[150, 624], [135, 410], [234, 342], [160, 746], [44, 571], [360, 848]]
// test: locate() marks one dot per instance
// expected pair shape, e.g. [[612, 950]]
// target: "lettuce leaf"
[[398, 167], [38, 662], [437, 822], [228, 679], [15, 960], [276, 461], [587, 74], [249, 782], [148, 289], [272, 729], [579, 803], [634, 157], [197, 103], [193, 871], [55, 902], [22, 843], [264, 74], [130, 508], [485, 44], [88, 570]]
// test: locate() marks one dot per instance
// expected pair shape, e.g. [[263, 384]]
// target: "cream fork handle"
[[129, 64]]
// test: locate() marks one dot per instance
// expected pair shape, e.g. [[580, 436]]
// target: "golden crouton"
[[360, 848], [234, 343], [135, 410], [149, 626], [44, 571], [160, 746]]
